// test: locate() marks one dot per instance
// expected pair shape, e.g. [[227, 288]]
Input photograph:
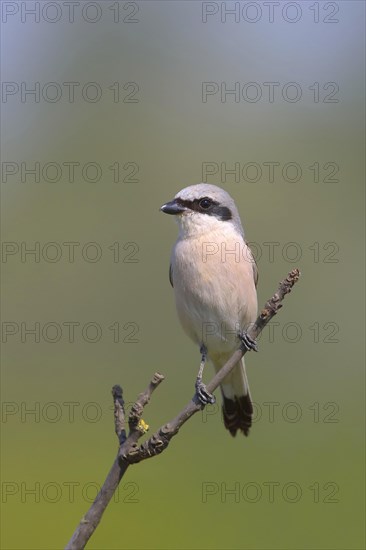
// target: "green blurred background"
[[307, 444]]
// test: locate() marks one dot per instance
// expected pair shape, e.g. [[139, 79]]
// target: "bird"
[[214, 277]]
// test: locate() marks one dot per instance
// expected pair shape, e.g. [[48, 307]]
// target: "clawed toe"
[[204, 397], [247, 342]]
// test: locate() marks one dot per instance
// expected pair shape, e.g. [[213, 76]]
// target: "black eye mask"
[[207, 206]]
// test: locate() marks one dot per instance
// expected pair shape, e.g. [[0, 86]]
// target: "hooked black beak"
[[172, 207]]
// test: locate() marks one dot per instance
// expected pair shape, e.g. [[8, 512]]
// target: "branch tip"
[[117, 392], [130, 452], [157, 378]]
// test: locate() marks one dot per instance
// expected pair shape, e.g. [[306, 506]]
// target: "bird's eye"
[[205, 203]]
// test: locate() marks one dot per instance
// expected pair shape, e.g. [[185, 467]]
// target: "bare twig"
[[90, 521], [160, 440], [130, 452], [135, 422], [119, 414]]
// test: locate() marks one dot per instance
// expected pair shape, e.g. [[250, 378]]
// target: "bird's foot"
[[204, 397], [247, 342]]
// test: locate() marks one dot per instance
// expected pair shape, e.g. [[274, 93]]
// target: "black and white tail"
[[237, 407]]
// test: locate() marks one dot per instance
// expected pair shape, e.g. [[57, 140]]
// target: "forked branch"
[[130, 452]]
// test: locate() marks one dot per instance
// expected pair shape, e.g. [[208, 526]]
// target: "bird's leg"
[[247, 342], [203, 395]]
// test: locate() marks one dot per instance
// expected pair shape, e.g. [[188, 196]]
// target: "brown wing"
[[254, 266], [171, 275]]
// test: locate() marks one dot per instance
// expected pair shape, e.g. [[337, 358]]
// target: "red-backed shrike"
[[214, 277]]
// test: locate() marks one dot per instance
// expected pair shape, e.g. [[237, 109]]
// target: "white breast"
[[214, 288]]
